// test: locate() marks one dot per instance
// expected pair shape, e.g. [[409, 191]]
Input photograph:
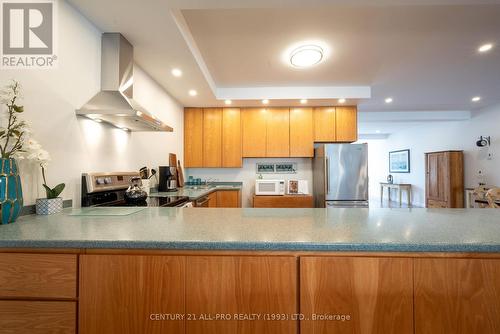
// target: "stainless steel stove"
[[108, 189]]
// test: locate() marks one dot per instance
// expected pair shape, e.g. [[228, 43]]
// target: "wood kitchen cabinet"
[[301, 132], [278, 133], [241, 285], [231, 138], [376, 293], [324, 124], [228, 198], [254, 132], [193, 137], [346, 124], [444, 178], [119, 293], [457, 296], [212, 137]]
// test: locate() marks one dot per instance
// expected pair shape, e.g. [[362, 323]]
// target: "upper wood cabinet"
[[377, 294], [278, 133], [193, 137], [254, 132], [324, 124], [301, 132], [231, 138], [346, 124], [212, 137]]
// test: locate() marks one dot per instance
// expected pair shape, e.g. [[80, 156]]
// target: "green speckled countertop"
[[195, 192], [402, 230]]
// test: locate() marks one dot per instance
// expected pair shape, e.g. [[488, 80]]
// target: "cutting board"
[[172, 160], [180, 174]]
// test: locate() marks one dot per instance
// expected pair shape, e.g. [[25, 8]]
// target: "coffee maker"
[[168, 178]]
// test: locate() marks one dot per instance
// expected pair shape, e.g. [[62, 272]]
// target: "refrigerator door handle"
[[327, 174]]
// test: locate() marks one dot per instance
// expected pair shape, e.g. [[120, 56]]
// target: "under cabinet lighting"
[[228, 102], [303, 101], [265, 101], [342, 101]]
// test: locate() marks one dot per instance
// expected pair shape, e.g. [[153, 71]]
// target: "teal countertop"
[[399, 230], [196, 192]]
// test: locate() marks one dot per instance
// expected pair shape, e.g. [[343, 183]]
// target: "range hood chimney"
[[115, 102]]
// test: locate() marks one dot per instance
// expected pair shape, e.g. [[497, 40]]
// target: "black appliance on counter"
[[108, 189], [168, 179]]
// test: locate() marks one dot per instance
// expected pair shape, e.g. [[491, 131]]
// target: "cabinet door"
[[228, 199], [278, 133], [212, 137], [231, 138], [301, 132], [436, 175], [241, 285], [457, 296], [324, 124], [193, 137], [254, 130], [122, 294], [37, 317], [346, 122], [376, 293], [212, 200]]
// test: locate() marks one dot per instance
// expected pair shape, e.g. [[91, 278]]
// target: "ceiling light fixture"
[[97, 120], [476, 99], [342, 101], [306, 56], [485, 47], [125, 129], [303, 101], [228, 102], [389, 100], [193, 92], [176, 72], [265, 101]]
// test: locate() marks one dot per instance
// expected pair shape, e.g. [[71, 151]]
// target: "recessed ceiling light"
[[341, 101], [176, 72], [485, 47], [228, 102], [476, 99], [306, 56], [265, 101], [193, 92], [389, 100], [303, 101]]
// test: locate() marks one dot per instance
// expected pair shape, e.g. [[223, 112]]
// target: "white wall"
[[77, 144], [247, 174], [440, 136]]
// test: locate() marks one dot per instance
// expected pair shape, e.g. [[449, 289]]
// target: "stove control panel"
[[108, 181]]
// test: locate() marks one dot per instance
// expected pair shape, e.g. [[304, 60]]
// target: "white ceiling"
[[420, 52]]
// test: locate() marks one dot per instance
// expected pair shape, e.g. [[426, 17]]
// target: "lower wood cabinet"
[[457, 296], [246, 285], [228, 198], [37, 317], [284, 201], [122, 294], [376, 294]]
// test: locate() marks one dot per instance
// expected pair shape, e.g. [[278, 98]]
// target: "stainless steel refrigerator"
[[340, 175]]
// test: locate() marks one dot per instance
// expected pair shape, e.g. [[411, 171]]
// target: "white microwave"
[[269, 187]]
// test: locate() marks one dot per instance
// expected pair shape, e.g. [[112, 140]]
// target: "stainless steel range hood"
[[115, 103]]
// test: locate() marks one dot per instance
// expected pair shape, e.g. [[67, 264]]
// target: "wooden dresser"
[[444, 174]]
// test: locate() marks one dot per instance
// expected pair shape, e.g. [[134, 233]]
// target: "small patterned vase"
[[46, 206], [11, 193]]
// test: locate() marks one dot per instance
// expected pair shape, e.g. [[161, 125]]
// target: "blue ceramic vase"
[[11, 193]]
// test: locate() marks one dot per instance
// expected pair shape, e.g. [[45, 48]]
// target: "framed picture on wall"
[[399, 161]]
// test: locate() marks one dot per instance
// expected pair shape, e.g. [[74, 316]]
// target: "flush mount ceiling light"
[[193, 92], [342, 101], [228, 102], [485, 47], [389, 100], [176, 72], [265, 101], [306, 55], [303, 101], [476, 99]]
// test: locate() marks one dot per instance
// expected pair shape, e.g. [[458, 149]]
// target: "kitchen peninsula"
[[176, 270]]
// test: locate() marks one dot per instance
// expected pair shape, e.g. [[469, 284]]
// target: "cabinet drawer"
[[36, 317], [38, 275], [436, 204]]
